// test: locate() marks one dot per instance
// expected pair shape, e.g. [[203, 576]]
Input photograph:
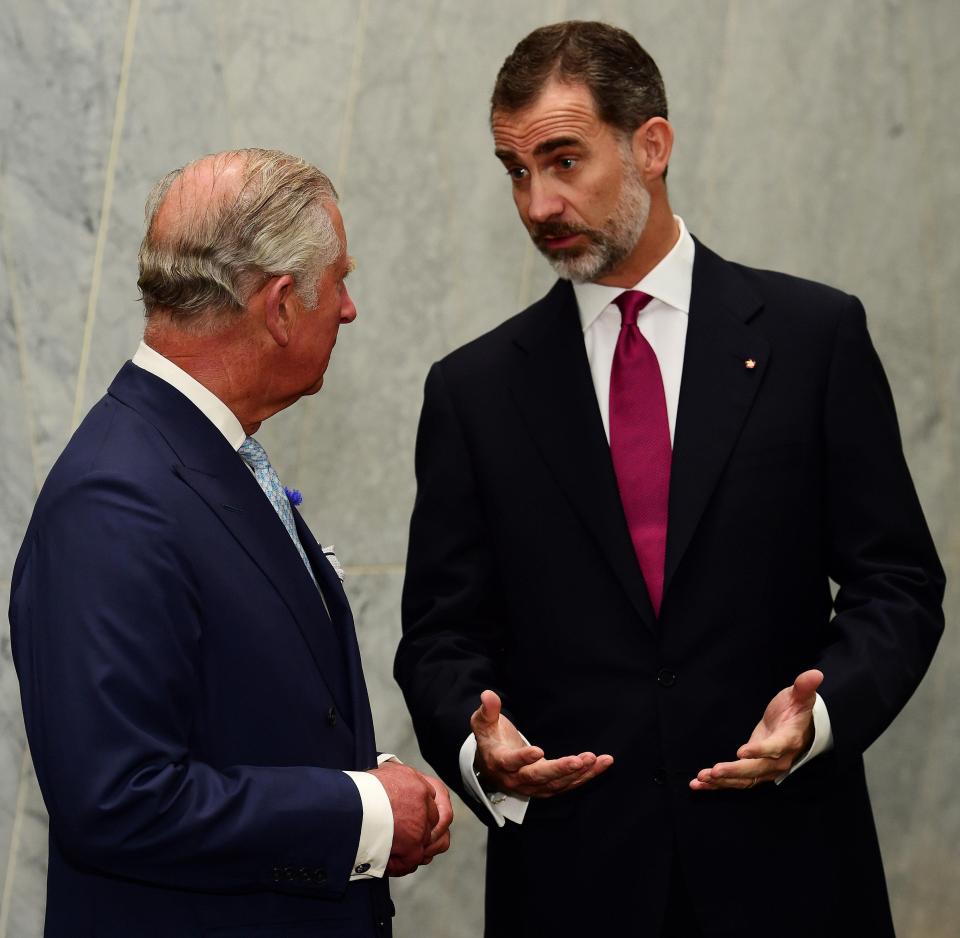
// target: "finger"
[[550, 770], [601, 764], [433, 818], [445, 810], [785, 743], [440, 845], [557, 775], [508, 760], [806, 684], [740, 774], [489, 707]]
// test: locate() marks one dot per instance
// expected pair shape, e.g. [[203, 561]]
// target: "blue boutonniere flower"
[[293, 496]]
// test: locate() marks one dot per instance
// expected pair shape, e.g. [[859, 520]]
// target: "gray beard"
[[610, 245]]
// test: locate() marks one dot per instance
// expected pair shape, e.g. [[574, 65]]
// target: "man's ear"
[[278, 296], [652, 144]]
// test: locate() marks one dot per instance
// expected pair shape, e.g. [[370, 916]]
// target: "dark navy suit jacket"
[[189, 703]]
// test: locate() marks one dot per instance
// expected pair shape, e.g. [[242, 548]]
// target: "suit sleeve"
[[452, 642], [108, 621], [888, 615]]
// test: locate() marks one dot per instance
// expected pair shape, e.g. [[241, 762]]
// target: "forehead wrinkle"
[[523, 132]]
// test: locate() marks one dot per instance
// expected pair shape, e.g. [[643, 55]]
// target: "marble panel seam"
[[119, 114], [12, 850]]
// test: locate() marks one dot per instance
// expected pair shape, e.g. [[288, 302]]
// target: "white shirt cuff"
[[376, 826], [502, 806], [822, 737]]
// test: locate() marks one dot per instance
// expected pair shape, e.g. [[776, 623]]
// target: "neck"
[[220, 362], [659, 236]]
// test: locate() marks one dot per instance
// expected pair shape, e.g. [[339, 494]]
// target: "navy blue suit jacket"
[[189, 703]]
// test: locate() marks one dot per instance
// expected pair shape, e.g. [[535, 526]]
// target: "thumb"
[[805, 687], [488, 714]]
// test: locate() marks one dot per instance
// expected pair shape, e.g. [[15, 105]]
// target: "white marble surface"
[[818, 138]]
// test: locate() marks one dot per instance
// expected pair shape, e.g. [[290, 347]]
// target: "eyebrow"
[[548, 146]]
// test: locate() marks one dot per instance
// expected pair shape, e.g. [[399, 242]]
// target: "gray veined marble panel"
[[449, 890], [18, 474], [60, 90], [26, 872], [12, 739]]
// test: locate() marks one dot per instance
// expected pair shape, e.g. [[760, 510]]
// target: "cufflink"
[[361, 868]]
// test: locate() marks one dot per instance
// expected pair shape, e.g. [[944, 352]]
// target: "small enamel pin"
[[750, 363]]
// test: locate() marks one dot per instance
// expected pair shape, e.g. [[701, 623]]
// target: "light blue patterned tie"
[[255, 456]]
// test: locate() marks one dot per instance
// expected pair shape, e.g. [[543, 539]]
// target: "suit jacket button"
[[332, 716], [666, 677], [660, 777]]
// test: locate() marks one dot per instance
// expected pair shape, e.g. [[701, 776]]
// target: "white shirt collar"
[[204, 400], [671, 282]]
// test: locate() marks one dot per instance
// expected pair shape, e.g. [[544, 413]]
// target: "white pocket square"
[[332, 557]]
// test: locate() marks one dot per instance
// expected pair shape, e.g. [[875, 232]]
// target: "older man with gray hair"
[[189, 670]]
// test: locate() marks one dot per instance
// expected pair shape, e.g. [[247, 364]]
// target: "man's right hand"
[[421, 816], [505, 763]]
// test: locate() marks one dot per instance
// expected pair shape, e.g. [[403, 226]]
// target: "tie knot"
[[631, 302], [253, 454]]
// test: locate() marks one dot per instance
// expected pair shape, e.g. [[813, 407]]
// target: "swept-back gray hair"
[[202, 270]]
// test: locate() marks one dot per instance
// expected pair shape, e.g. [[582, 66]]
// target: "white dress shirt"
[[663, 323], [376, 826]]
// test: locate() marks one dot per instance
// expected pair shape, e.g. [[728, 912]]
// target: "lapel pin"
[[750, 363]]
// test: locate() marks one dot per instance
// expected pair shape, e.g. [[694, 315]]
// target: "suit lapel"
[[555, 394], [336, 599], [216, 473], [716, 392]]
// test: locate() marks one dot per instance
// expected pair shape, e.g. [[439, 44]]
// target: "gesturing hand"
[[419, 824], [506, 763], [778, 740]]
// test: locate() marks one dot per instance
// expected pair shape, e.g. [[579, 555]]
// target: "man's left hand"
[[779, 739]]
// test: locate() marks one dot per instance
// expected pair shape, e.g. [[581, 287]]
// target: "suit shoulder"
[[791, 293]]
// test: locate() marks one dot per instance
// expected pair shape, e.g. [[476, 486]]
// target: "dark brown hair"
[[624, 81]]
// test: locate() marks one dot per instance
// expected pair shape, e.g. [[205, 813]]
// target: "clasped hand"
[[422, 816], [783, 735], [506, 763]]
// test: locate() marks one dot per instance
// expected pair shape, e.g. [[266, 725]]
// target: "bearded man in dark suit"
[[632, 498], [189, 670]]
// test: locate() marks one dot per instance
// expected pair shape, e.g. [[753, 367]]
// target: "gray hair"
[[220, 252]]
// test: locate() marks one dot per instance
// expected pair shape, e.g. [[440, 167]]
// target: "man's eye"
[[517, 173], [567, 162]]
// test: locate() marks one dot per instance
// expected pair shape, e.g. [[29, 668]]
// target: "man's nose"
[[348, 312], [545, 202]]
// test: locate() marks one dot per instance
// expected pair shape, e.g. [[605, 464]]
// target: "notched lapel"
[[209, 465], [723, 367], [555, 393], [262, 535], [359, 715]]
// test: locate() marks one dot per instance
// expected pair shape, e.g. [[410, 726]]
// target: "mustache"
[[554, 229]]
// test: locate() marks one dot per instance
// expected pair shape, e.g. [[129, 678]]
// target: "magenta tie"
[[640, 442]]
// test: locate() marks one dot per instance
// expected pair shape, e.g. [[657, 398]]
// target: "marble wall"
[[818, 137]]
